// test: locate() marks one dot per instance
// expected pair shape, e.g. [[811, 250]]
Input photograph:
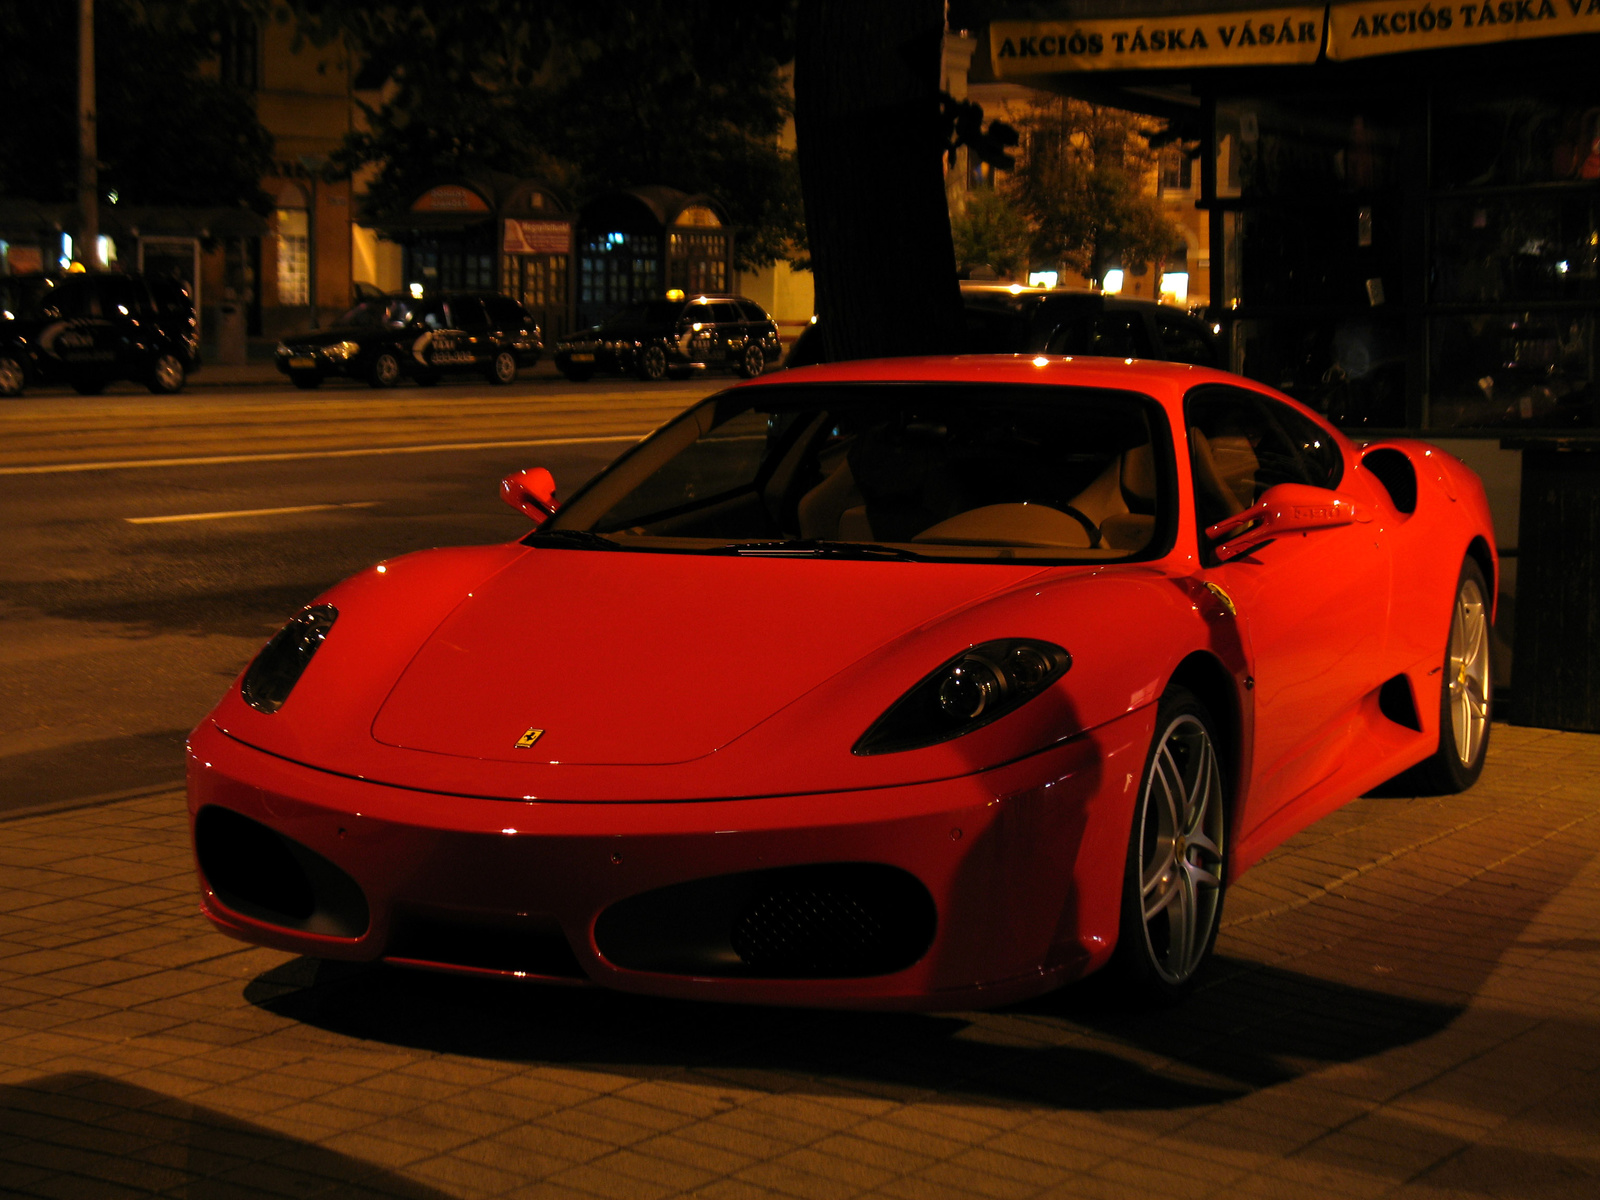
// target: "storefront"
[[1403, 202], [638, 244]]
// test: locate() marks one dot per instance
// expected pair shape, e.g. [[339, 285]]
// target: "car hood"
[[645, 658]]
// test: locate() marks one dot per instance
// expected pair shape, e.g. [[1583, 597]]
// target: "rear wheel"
[[13, 377], [1172, 883], [384, 371], [166, 375], [752, 362], [652, 365], [1465, 701], [305, 379], [503, 369]]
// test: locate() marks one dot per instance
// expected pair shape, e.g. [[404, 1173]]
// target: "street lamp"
[[314, 164]]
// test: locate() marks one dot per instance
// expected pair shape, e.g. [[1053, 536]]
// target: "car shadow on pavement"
[[84, 1134], [1255, 1027]]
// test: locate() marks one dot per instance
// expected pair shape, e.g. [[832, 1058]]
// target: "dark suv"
[[1005, 319], [87, 330], [674, 337], [385, 339]]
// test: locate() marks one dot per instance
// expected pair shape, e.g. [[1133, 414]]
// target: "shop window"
[[294, 279], [1351, 368], [1512, 249], [1512, 369], [618, 268], [1484, 140], [697, 261]]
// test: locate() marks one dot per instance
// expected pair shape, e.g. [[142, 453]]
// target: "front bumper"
[[1022, 864]]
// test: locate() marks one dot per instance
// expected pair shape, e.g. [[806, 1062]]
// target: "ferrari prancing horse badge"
[[529, 738]]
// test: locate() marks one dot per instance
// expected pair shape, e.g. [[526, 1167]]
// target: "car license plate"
[[304, 360], [582, 358]]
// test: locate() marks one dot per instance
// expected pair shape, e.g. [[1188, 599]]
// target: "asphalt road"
[[122, 626]]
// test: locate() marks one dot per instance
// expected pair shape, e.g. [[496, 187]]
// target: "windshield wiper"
[[815, 548], [569, 539]]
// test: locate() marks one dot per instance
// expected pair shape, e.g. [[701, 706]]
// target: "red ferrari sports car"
[[923, 683]]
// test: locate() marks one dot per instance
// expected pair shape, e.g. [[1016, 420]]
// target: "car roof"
[[1003, 292]]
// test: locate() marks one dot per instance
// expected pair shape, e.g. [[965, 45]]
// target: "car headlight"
[[282, 350], [979, 685], [272, 676], [341, 350]]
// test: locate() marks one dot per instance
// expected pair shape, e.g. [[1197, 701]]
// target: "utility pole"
[[88, 148]]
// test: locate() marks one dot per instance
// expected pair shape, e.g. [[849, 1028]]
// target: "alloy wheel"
[[167, 374], [1180, 858], [12, 378], [1469, 672]]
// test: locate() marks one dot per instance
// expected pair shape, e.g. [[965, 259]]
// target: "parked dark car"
[[1004, 319], [385, 339], [88, 330], [674, 337]]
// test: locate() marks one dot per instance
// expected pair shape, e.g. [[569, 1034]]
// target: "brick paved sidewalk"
[[1405, 1004]]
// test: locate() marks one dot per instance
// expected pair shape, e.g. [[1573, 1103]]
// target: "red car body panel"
[[700, 713]]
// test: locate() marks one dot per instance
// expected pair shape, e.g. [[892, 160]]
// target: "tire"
[[503, 369], [576, 374], [1173, 878], [13, 376], [384, 372], [167, 375], [1466, 700], [652, 364], [752, 362], [90, 386], [305, 380]]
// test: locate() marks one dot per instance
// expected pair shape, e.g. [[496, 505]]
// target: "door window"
[[466, 314], [1241, 443], [505, 314], [1184, 340], [724, 313]]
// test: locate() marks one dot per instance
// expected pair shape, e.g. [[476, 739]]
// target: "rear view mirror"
[[531, 492], [1285, 508]]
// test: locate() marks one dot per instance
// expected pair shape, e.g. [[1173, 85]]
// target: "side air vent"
[[1394, 470], [1396, 702]]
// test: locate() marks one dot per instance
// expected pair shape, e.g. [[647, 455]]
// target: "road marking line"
[[247, 512], [290, 455]]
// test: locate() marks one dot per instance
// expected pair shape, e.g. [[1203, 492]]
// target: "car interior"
[[939, 477]]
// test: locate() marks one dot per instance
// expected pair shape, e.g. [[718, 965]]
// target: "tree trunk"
[[869, 141]]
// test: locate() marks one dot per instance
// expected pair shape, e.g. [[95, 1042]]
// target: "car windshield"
[[378, 313], [902, 471], [653, 312]]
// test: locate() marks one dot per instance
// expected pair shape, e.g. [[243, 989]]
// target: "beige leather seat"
[[1105, 501], [1224, 471]]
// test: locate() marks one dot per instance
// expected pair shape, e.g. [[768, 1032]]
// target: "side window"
[[1114, 335], [120, 296], [752, 311], [68, 300], [1240, 444], [724, 313], [466, 314], [1184, 340], [504, 313]]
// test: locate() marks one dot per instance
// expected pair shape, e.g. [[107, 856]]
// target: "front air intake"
[[260, 873], [824, 921]]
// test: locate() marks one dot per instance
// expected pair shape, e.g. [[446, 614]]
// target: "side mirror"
[[531, 492], [1285, 508]]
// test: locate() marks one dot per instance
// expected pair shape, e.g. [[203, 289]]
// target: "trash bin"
[[1555, 669], [231, 334]]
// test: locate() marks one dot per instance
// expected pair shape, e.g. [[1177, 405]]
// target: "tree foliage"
[[169, 131], [992, 232], [589, 96], [1081, 183]]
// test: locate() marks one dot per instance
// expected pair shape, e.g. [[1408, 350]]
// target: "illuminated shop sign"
[[1264, 36], [1362, 30], [536, 237], [1277, 35]]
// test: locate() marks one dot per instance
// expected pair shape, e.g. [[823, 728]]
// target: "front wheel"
[[384, 371], [13, 377], [652, 365], [1465, 700], [1172, 882], [503, 369]]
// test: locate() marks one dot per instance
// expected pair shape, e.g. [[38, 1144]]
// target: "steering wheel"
[[1077, 515]]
